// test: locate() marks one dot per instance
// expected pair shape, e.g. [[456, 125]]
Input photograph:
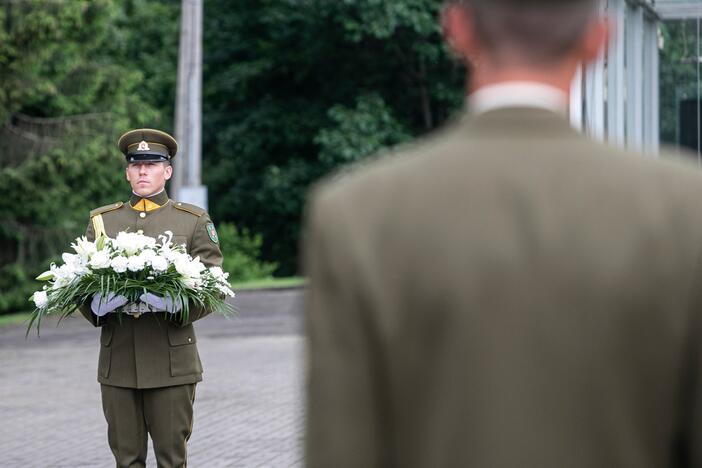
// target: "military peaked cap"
[[146, 144]]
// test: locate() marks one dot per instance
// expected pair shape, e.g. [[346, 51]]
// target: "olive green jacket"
[[507, 293], [153, 350]]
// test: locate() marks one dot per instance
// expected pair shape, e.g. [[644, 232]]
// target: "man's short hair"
[[535, 32]]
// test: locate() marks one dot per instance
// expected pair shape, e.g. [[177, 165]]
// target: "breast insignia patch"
[[212, 233]]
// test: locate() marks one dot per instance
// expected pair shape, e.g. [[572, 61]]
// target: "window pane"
[[680, 84]]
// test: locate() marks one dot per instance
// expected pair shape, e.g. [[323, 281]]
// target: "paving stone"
[[248, 409]]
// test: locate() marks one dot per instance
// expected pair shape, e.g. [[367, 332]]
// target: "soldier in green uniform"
[[149, 363]]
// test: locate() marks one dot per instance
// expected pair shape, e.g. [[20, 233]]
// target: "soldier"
[[508, 292], [149, 363]]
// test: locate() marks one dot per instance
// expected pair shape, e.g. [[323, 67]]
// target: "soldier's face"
[[148, 177]]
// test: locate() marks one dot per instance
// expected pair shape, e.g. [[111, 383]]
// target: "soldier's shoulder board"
[[192, 209], [106, 208]]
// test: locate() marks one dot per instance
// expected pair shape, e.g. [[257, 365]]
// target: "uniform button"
[[180, 204], [140, 231], [142, 215], [116, 204], [190, 340]]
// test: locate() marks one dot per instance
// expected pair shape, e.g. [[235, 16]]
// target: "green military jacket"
[[152, 350], [506, 293]]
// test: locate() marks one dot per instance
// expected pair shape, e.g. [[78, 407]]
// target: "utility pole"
[[187, 182]]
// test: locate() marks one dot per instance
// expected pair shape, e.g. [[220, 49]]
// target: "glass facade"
[[617, 97], [646, 90], [681, 43]]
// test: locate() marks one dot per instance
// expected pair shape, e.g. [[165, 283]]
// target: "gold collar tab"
[[145, 205]]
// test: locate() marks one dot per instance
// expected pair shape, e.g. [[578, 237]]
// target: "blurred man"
[[149, 363], [507, 292]]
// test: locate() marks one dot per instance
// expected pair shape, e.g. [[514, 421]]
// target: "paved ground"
[[248, 410]]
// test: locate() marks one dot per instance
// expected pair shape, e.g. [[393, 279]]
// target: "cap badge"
[[143, 146]]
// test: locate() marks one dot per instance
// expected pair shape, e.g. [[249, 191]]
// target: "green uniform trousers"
[[166, 413]]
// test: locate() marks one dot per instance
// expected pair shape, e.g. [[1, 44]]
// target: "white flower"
[[100, 259], [66, 273], [190, 271], [188, 268], [147, 255], [166, 238], [61, 276], [119, 264], [70, 258], [84, 248], [220, 281], [131, 242], [74, 265], [218, 273], [191, 283], [135, 263], [173, 255], [75, 262], [225, 289], [40, 299], [159, 263]]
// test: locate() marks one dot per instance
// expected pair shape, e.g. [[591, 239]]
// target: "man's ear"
[[168, 172], [458, 25], [126, 173], [595, 39]]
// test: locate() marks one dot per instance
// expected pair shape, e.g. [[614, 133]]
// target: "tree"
[[73, 76], [295, 88]]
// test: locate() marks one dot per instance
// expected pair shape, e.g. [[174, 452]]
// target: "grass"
[[13, 319], [270, 283]]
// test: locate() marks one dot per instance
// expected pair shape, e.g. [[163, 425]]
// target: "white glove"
[[162, 303], [103, 306]]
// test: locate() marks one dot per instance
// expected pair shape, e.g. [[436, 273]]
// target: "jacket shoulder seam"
[[106, 208], [192, 209]]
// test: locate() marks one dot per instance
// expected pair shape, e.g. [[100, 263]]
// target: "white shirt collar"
[[149, 196], [518, 94]]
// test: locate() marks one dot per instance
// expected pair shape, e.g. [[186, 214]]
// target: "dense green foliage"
[[243, 250], [294, 88], [44, 206]]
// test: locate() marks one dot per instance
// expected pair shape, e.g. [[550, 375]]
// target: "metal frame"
[[634, 73], [651, 92], [679, 10], [595, 96], [617, 97], [576, 100]]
